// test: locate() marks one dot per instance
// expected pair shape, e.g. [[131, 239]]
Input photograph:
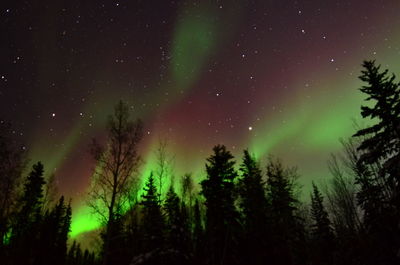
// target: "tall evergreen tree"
[[221, 216], [153, 220], [287, 231], [253, 205], [382, 140], [177, 232], [71, 253], [24, 236], [53, 235], [379, 182], [321, 231]]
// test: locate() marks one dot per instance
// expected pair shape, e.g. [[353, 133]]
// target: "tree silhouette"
[[177, 230], [346, 216], [379, 194], [53, 235], [164, 167], [176, 221], [253, 205], [50, 192], [187, 187], [116, 168], [321, 231], [12, 162], [221, 215], [382, 139], [24, 235], [287, 232], [153, 221], [198, 234], [254, 217]]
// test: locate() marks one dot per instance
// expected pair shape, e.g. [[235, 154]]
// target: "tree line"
[[241, 213]]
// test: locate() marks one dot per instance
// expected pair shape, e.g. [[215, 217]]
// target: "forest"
[[243, 213]]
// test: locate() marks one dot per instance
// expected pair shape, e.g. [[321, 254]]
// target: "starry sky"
[[277, 77]]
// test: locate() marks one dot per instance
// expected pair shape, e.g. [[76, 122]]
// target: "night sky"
[[275, 76]]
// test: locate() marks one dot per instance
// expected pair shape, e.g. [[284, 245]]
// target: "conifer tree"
[[153, 220], [28, 219], [177, 230], [380, 144], [252, 194], [53, 235], [253, 205], [71, 253], [379, 160], [176, 221], [287, 231], [221, 216], [382, 140], [321, 231]]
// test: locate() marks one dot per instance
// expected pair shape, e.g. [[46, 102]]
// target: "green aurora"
[[307, 127]]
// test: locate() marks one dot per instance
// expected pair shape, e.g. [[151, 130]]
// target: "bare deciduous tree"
[[115, 176], [341, 196], [164, 165], [50, 192]]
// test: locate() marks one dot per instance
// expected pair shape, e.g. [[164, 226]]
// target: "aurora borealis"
[[277, 77]]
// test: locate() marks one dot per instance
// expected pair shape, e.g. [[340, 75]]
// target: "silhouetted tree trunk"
[[164, 167], [346, 216], [116, 170]]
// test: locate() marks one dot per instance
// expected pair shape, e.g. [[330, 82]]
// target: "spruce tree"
[[379, 160], [153, 220], [177, 231], [221, 216], [176, 222], [71, 254], [253, 205], [321, 230], [53, 235], [25, 236], [287, 230], [382, 140]]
